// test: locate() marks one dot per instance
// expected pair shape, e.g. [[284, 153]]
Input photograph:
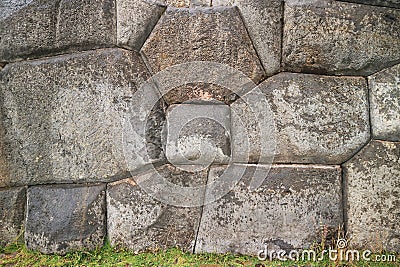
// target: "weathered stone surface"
[[202, 34], [187, 3], [285, 212], [8, 7], [139, 222], [65, 218], [334, 37], [65, 118], [384, 96], [136, 19], [387, 3], [373, 203], [45, 27], [263, 20], [12, 214], [319, 119], [198, 134]]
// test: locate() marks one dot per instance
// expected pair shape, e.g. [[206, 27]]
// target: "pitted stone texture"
[[285, 212], [198, 134], [46, 27], [64, 117], [373, 197], [341, 38], [139, 222], [187, 3], [65, 218], [12, 214], [203, 34], [136, 19], [319, 119], [8, 7], [385, 104], [263, 20], [386, 3]]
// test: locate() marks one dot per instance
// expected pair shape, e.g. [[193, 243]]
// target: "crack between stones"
[[365, 4], [282, 33]]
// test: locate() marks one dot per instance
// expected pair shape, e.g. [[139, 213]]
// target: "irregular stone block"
[[65, 218], [65, 118], [387, 3], [263, 20], [203, 34], [139, 222], [136, 19], [373, 197], [339, 38], [198, 134], [12, 214], [384, 96], [319, 119], [285, 212], [86, 24]]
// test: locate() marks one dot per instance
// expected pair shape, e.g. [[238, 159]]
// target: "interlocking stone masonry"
[[385, 103], [319, 119], [285, 212], [332, 37], [139, 222], [373, 190], [64, 118], [202, 34], [12, 214], [63, 218]]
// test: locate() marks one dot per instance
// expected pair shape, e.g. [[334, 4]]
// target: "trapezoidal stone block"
[[65, 118], [285, 212], [12, 214], [198, 134], [332, 37], [318, 119], [202, 34], [263, 20], [373, 197], [384, 93], [139, 222], [64, 218]]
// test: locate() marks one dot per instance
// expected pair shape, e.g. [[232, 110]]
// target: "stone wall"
[[223, 125]]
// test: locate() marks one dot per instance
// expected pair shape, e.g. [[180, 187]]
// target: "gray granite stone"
[[384, 96], [198, 134], [285, 212], [65, 218], [387, 3], [136, 19], [373, 197], [263, 20], [8, 7], [12, 214], [139, 222], [202, 34], [332, 37], [319, 119], [64, 118], [187, 3]]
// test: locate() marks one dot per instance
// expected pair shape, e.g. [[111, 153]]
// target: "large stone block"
[[65, 218], [384, 96], [387, 3], [285, 212], [202, 34], [198, 134], [65, 118], [139, 222], [12, 214], [341, 38], [373, 197], [263, 20], [136, 19], [318, 119], [37, 28]]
